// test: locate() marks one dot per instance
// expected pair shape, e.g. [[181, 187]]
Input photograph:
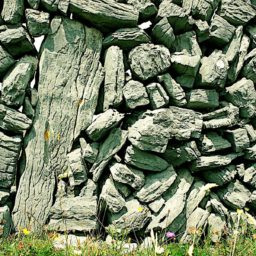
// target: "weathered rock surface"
[[12, 11], [5, 222], [238, 138], [103, 123], [6, 61], [146, 8], [148, 60], [54, 128]]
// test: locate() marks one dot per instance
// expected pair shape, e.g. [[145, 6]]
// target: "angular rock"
[[187, 43], [126, 38], [111, 14], [127, 175], [250, 176], [156, 185], [180, 154], [147, 134], [50, 5], [144, 160], [16, 81], [78, 168], [216, 227], [235, 195], [63, 6], [9, 155], [13, 120], [38, 23], [13, 11], [238, 138], [221, 32], [175, 203], [157, 95], [135, 94], [90, 189], [112, 144], [111, 198], [5, 222], [28, 109], [74, 214], [133, 219], [186, 123], [251, 132], [103, 123], [174, 90], [149, 60], [6, 61], [123, 189], [225, 117], [220, 176], [237, 65], [74, 85], [249, 66], [175, 14], [212, 142], [250, 153], [213, 71], [163, 33], [202, 30], [237, 12], [186, 81], [203, 99], [156, 205], [89, 151], [185, 64], [146, 8], [243, 95], [204, 163], [16, 40], [34, 3], [114, 77]]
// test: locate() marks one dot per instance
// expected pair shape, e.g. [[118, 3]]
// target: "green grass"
[[30, 245]]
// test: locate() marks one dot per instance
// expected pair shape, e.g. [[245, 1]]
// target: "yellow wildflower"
[[47, 135], [25, 231], [140, 209], [240, 211]]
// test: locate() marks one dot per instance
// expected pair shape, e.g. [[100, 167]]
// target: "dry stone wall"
[[141, 116]]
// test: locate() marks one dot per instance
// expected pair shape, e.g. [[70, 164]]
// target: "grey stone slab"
[[146, 8], [6, 61], [238, 138], [89, 151], [6, 222], [13, 11]]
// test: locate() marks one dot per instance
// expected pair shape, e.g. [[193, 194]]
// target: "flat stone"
[[145, 160], [13, 11], [204, 163], [17, 80], [49, 5], [123, 189], [135, 94], [237, 12], [235, 195], [187, 43], [250, 176], [103, 123], [111, 145], [6, 61], [156, 205], [89, 189], [250, 153], [74, 214], [243, 95], [175, 92], [5, 222], [203, 99], [248, 70], [13, 120], [182, 153], [34, 3], [146, 8], [157, 95], [38, 23], [89, 151], [9, 156], [221, 31], [220, 176], [110, 13], [224, 117], [133, 219], [111, 199], [16, 40], [202, 30], [251, 132], [216, 227], [212, 142], [185, 64], [186, 81], [238, 138], [114, 77], [126, 38], [213, 71], [155, 185], [175, 203], [127, 175], [149, 60], [163, 33], [78, 168], [63, 6], [175, 14]]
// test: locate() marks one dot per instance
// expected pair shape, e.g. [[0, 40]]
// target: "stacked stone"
[[130, 128]]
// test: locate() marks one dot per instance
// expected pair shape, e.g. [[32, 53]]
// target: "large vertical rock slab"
[[13, 11], [67, 101]]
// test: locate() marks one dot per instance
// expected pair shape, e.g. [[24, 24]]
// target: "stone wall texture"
[[134, 115]]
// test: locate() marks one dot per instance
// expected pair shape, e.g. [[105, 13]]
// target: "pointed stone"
[[156, 205], [250, 153], [13, 11], [89, 151], [146, 8], [202, 30], [250, 176], [6, 61], [149, 60]]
